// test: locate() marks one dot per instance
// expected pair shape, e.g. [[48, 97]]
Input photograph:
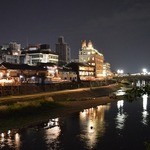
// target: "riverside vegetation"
[[22, 112], [137, 92]]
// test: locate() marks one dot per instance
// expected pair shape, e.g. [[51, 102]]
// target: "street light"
[[120, 71], [144, 71]]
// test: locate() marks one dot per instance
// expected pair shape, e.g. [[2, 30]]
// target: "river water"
[[119, 126]]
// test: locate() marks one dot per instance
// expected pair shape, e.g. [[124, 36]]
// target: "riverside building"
[[38, 54], [88, 54], [11, 53]]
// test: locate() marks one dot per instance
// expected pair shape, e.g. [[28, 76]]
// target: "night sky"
[[119, 29]]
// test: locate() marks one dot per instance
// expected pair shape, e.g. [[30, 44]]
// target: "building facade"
[[84, 71], [88, 54], [106, 70], [36, 54], [63, 51], [11, 53]]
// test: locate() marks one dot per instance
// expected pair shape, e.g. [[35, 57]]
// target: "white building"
[[38, 56], [88, 54], [13, 59]]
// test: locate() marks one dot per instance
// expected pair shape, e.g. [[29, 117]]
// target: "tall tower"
[[63, 51]]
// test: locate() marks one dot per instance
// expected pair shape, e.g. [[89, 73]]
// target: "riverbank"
[[63, 95], [23, 111]]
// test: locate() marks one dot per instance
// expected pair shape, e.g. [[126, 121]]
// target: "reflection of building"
[[63, 51], [93, 124], [87, 54]]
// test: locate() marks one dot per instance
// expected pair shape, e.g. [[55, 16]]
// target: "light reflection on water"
[[51, 137], [92, 124], [145, 112], [10, 139], [121, 116], [88, 128], [17, 141], [52, 132]]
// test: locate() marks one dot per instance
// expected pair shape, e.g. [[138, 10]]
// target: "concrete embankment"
[[84, 93], [85, 98], [65, 95]]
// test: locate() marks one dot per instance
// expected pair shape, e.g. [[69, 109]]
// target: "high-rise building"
[[88, 54], [63, 51]]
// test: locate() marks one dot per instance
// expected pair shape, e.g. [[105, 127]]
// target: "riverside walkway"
[[18, 98]]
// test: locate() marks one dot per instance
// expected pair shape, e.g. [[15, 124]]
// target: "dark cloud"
[[118, 28]]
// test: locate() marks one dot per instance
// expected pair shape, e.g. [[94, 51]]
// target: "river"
[[118, 125]]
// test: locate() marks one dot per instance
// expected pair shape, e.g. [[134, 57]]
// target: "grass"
[[22, 114], [20, 109]]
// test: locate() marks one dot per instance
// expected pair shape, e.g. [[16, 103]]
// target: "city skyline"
[[119, 30]]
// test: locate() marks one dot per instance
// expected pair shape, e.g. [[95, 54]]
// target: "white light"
[[120, 71], [120, 104], [21, 76], [145, 97], [2, 135], [144, 70], [9, 131], [1, 74], [32, 77]]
